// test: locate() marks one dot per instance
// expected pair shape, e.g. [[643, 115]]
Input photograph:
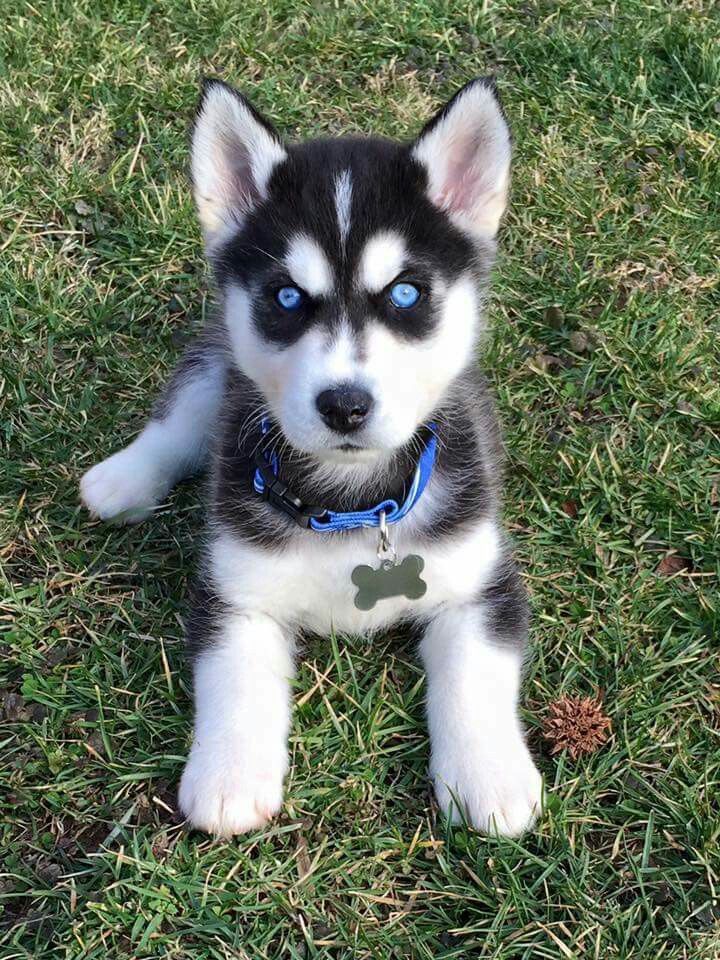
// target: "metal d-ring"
[[385, 551]]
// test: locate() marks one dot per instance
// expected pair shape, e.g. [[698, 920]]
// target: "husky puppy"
[[353, 449]]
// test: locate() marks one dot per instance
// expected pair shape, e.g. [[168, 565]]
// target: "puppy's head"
[[351, 270]]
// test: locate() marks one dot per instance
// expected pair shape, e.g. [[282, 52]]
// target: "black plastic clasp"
[[282, 498]]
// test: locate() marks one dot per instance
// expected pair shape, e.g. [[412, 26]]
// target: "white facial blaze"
[[309, 267], [343, 205], [338, 362], [381, 261]]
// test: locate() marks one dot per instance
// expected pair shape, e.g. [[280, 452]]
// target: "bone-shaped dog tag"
[[389, 580]]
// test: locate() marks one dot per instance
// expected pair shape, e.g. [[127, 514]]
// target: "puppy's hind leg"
[[173, 444]]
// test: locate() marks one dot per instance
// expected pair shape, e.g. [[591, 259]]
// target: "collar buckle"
[[282, 498]]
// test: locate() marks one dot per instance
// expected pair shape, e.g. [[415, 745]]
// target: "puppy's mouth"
[[348, 453]]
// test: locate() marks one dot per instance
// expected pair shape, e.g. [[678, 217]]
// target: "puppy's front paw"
[[225, 794], [498, 788], [125, 487]]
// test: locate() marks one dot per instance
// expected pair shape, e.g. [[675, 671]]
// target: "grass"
[[604, 359]]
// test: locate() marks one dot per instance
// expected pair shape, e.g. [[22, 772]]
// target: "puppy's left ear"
[[465, 150]]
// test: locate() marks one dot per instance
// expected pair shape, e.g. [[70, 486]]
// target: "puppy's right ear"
[[234, 151]]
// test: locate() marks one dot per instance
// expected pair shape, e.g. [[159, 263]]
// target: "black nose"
[[344, 408]]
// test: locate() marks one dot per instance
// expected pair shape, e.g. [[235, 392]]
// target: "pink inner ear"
[[244, 188], [462, 181]]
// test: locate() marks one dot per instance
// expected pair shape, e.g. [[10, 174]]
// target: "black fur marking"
[[505, 606], [204, 621]]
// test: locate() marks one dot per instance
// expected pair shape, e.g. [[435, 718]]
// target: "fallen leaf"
[[304, 864], [160, 845], [14, 707], [602, 555], [95, 743], [545, 362], [672, 564], [570, 508], [554, 317], [579, 341]]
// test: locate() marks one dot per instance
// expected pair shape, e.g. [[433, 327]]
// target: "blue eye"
[[289, 298], [404, 295]]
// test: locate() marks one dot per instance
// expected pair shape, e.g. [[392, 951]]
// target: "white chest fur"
[[307, 583]]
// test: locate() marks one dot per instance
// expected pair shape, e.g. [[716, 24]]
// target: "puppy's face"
[[351, 270]]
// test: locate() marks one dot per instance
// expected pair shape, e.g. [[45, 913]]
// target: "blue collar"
[[267, 483]]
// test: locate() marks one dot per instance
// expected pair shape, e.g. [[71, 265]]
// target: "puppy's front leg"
[[233, 779], [479, 759], [128, 485]]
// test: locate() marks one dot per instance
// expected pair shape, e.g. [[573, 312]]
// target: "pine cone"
[[576, 724]]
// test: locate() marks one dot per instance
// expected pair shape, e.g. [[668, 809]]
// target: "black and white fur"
[[341, 219]]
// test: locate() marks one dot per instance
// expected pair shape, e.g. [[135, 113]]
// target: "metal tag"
[[389, 580]]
